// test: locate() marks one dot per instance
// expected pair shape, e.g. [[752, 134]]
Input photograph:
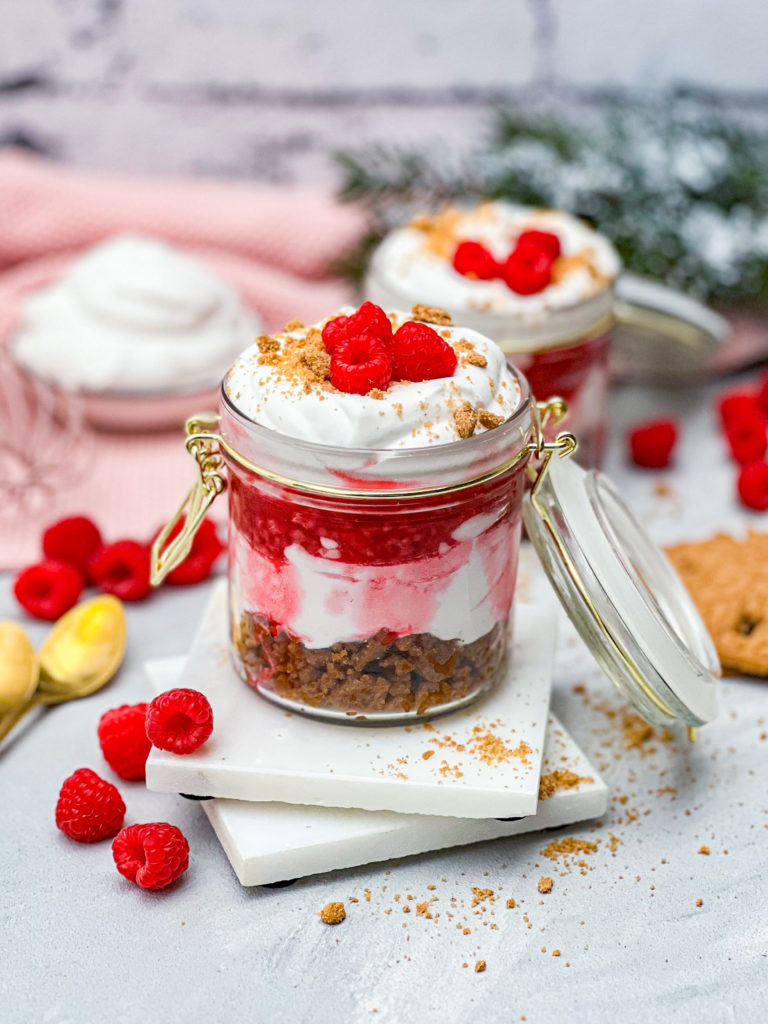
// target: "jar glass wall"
[[346, 603]]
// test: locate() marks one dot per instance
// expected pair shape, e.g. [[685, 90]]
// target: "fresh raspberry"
[[762, 394], [123, 740], [747, 438], [651, 444], [360, 364], [369, 321], [752, 486], [152, 856], [544, 240], [735, 405], [179, 720], [473, 260], [89, 808], [121, 569], [48, 589], [528, 269], [72, 540], [419, 353], [197, 566]]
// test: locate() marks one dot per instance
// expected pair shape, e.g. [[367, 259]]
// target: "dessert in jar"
[[376, 469], [538, 282], [131, 325]]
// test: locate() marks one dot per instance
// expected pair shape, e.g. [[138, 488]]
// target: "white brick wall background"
[[269, 88]]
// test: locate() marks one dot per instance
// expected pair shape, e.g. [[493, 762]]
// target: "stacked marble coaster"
[[295, 795]]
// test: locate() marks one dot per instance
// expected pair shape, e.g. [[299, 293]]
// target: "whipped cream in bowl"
[[140, 332]]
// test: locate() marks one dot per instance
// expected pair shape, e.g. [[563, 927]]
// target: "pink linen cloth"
[[273, 244]]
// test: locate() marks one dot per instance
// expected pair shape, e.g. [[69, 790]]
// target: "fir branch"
[[680, 188]]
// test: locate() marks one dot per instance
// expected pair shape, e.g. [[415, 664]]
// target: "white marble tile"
[[260, 752], [271, 842]]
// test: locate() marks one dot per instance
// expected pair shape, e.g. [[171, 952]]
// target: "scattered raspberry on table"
[[89, 808], [651, 444], [752, 486], [123, 740], [179, 721], [73, 540], [205, 550], [121, 569], [48, 589], [747, 437], [152, 855]]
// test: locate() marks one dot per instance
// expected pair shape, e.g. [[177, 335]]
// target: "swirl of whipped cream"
[[271, 389], [133, 314], [415, 262]]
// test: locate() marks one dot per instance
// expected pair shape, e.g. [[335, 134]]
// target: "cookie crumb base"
[[382, 674]]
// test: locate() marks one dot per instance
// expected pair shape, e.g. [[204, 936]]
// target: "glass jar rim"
[[378, 469]]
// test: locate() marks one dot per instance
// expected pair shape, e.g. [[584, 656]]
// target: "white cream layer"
[[134, 314], [458, 594], [404, 267], [410, 415]]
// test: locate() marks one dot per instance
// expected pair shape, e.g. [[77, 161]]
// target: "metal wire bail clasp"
[[548, 414], [203, 444]]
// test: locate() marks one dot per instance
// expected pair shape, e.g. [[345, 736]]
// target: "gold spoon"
[[81, 654]]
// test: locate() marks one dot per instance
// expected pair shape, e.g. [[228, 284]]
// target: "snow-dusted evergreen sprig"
[[679, 187]]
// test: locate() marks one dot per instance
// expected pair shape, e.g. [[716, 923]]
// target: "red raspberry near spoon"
[[48, 589], [89, 808], [179, 720], [152, 855], [121, 569], [72, 540]]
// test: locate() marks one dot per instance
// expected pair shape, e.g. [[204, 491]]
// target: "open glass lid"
[[622, 594], [661, 334]]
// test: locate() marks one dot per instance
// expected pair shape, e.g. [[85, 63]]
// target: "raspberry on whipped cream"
[[285, 383], [539, 282], [416, 262]]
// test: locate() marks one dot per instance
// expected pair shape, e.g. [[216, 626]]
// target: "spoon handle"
[[12, 718]]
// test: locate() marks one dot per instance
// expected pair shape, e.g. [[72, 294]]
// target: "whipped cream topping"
[[279, 384], [133, 314], [414, 263]]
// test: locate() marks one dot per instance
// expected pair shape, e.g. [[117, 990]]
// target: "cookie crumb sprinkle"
[[465, 418], [431, 315], [545, 885], [480, 966], [333, 913], [489, 420]]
